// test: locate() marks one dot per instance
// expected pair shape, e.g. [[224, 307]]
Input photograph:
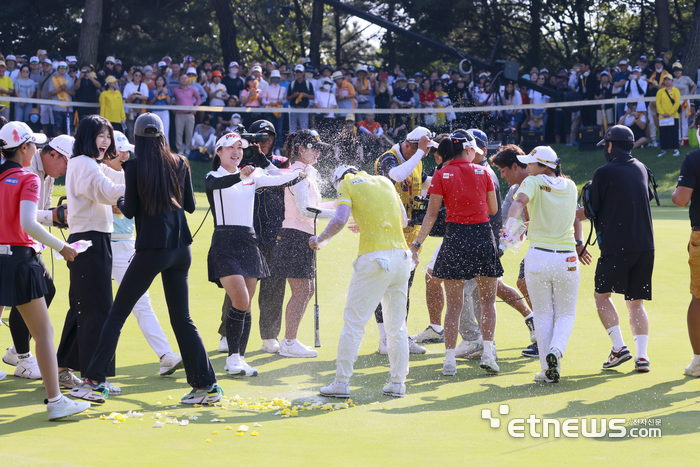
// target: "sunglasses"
[[298, 71], [63, 67]]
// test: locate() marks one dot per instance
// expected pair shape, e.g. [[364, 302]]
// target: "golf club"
[[317, 335]]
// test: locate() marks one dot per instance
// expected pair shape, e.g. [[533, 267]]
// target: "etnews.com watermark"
[[535, 427]]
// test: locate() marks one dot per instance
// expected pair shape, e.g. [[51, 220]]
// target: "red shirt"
[[463, 186], [372, 128], [16, 184], [426, 96]]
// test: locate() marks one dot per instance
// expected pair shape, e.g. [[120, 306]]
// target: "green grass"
[[440, 418]]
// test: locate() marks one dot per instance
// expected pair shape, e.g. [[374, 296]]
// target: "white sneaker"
[[28, 368], [663, 153], [429, 336], [249, 370], [382, 346], [394, 390], [113, 389], [11, 357], [676, 153], [223, 344], [270, 346], [449, 368], [489, 364], [236, 366], [415, 348], [169, 363], [295, 349], [542, 378], [66, 379], [469, 349], [65, 408], [2, 375], [690, 370], [336, 389]]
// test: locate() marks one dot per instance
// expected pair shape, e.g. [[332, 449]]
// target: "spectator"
[[61, 88], [685, 85], [107, 70], [587, 87], [619, 81], [34, 70], [538, 117], [383, 95], [112, 104], [363, 87], [148, 78], [372, 135], [229, 120], [604, 90], [668, 101], [325, 99], [460, 97], [46, 110], [398, 125], [300, 92], [637, 122], [161, 96], [344, 93], [643, 64], [173, 80], [442, 101], [192, 78], [12, 68], [274, 96], [257, 73], [135, 92], [427, 100], [250, 97], [26, 88], [513, 118], [217, 93], [6, 89], [655, 83], [34, 120], [637, 87], [203, 140], [402, 95], [184, 94]]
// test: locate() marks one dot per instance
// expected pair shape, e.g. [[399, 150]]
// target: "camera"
[[255, 137], [419, 211]]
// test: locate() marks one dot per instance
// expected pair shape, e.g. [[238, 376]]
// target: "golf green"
[[439, 420]]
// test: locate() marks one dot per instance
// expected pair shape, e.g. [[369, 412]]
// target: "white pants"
[[198, 141], [552, 282], [380, 275], [165, 118], [683, 114], [650, 124], [470, 317], [122, 252], [298, 121]]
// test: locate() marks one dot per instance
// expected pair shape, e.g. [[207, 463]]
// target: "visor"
[[229, 140]]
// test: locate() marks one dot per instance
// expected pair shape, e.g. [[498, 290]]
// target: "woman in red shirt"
[[469, 248]]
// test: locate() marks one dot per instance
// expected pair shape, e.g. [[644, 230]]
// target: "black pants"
[[378, 311], [90, 298], [270, 301], [18, 328], [588, 115], [173, 266], [668, 136]]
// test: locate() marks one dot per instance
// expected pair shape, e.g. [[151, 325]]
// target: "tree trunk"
[[90, 31], [338, 45], [663, 22], [300, 28], [227, 31], [534, 54], [691, 61], [316, 29], [389, 38], [581, 31]]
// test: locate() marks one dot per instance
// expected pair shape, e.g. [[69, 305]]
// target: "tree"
[[90, 31], [534, 54], [692, 52], [227, 31], [663, 31], [316, 30]]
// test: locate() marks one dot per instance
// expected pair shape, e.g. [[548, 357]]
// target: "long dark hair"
[[557, 170], [158, 175], [86, 137]]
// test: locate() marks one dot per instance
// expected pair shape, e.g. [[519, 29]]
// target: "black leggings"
[[18, 328], [378, 311], [173, 266]]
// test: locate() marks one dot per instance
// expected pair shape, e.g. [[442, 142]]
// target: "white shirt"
[[234, 205], [219, 90], [91, 189], [629, 119], [537, 97], [44, 216], [131, 88], [273, 93], [326, 100], [633, 92]]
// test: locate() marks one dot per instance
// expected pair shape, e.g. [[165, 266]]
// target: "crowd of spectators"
[[259, 85]]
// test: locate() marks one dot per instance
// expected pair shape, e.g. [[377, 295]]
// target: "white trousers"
[[552, 282], [165, 118], [650, 124], [198, 141], [379, 276], [122, 252]]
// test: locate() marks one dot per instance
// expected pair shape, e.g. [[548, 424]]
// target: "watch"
[[417, 244], [579, 242]]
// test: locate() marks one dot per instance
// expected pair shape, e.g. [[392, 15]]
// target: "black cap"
[[262, 125], [149, 125], [619, 133], [659, 59], [310, 139]]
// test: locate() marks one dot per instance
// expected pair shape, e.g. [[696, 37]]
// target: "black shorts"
[[521, 273], [21, 277], [234, 252], [292, 257], [468, 251], [625, 273]]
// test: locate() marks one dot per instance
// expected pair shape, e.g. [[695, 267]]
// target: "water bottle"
[[80, 246], [512, 237]]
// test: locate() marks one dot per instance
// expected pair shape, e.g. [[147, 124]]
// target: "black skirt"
[[468, 251], [234, 252], [668, 136], [292, 257], [21, 277]]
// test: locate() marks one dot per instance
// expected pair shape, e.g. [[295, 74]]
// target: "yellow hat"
[[110, 79]]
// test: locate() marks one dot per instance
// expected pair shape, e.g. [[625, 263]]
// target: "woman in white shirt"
[[637, 87], [292, 258], [234, 261], [135, 92], [537, 97], [275, 95], [325, 99]]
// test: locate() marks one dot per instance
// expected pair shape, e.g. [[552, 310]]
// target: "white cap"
[[63, 144], [257, 68], [236, 116], [340, 173], [275, 74], [299, 68], [337, 75], [15, 134], [34, 59], [47, 60], [623, 62], [147, 68], [71, 59], [233, 65], [60, 64], [445, 76], [230, 139], [162, 63], [110, 59], [544, 70], [121, 142], [637, 68], [542, 154], [361, 68], [467, 139], [417, 133], [191, 71], [11, 57], [117, 62]]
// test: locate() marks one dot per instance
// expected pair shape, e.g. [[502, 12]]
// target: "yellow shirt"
[[112, 106], [376, 209], [664, 104], [6, 84]]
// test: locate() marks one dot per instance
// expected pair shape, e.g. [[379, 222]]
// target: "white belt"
[[123, 236]]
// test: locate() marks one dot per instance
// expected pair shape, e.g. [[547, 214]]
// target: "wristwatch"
[[579, 243], [417, 244]]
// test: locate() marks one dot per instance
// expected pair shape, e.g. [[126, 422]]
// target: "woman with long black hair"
[[158, 192]]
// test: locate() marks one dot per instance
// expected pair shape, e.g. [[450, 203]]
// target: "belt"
[[21, 252], [552, 251], [696, 228]]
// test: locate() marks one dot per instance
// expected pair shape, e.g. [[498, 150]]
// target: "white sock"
[[24, 355], [436, 327], [56, 399], [616, 336], [450, 355], [290, 341], [696, 359], [529, 316], [488, 347], [640, 343], [382, 332]]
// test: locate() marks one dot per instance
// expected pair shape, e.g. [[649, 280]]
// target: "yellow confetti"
[[214, 432], [262, 398], [195, 405], [306, 404], [240, 433], [208, 441], [89, 416], [384, 408], [255, 433], [229, 428], [87, 410], [170, 397], [103, 417]]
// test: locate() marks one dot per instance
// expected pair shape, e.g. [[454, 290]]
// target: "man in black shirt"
[[686, 192], [587, 86], [234, 83], [619, 199], [300, 91]]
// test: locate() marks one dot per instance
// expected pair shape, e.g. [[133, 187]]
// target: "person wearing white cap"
[[192, 77], [637, 87], [344, 94], [300, 92], [12, 68], [364, 90], [275, 95], [234, 83], [23, 282], [234, 261], [325, 99], [552, 269], [402, 164], [257, 73]]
